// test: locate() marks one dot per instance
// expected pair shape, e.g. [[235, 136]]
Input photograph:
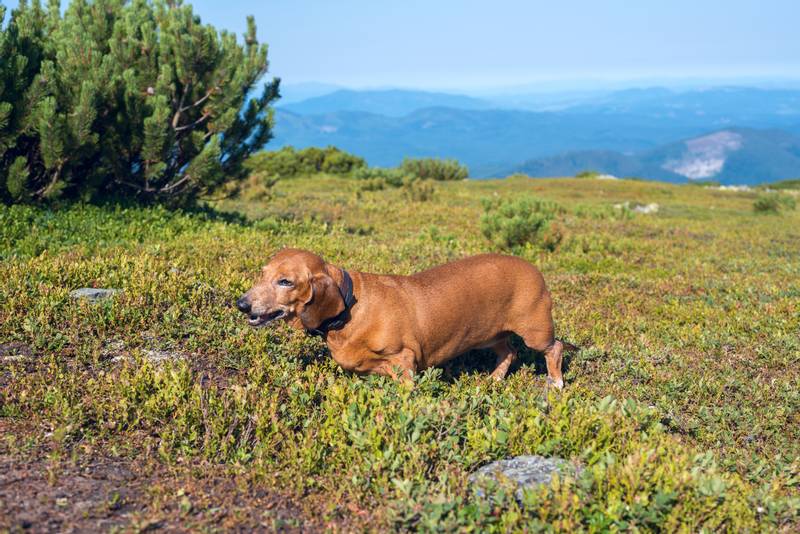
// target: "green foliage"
[[782, 184], [127, 99], [393, 177], [289, 162], [687, 324], [587, 174], [521, 221], [773, 203], [419, 190], [435, 169]]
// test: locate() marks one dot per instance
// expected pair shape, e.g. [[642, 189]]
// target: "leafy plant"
[[773, 203], [289, 162], [390, 177], [131, 99], [417, 190], [521, 221], [435, 169]]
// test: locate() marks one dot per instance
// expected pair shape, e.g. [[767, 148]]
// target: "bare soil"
[[42, 489]]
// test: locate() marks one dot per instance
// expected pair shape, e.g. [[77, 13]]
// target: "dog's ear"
[[324, 301]]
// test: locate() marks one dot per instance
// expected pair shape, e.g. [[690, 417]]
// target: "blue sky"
[[482, 44], [472, 44]]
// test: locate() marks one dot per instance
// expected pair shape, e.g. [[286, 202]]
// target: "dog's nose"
[[244, 305]]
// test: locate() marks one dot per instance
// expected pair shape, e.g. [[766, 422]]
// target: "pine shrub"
[[435, 169], [289, 162], [130, 99], [773, 203], [526, 220]]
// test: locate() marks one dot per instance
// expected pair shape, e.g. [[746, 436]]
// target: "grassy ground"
[[683, 404]]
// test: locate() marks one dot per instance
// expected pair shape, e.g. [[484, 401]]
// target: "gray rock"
[[646, 208], [93, 294], [525, 472]]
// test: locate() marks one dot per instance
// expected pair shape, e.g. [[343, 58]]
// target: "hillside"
[[488, 141], [159, 407], [386, 126], [730, 156]]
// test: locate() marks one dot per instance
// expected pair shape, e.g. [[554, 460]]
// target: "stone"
[[646, 208], [93, 294], [526, 472]]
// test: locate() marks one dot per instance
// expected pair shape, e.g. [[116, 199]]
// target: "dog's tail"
[[569, 347]]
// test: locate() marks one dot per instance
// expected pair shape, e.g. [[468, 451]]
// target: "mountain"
[[488, 141], [297, 92], [390, 102], [730, 156], [598, 130], [735, 105]]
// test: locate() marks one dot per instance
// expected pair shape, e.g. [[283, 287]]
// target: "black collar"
[[337, 321]]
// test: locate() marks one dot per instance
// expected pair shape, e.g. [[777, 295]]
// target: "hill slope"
[[385, 126], [730, 156]]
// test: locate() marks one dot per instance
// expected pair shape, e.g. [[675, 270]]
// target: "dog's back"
[[473, 303]]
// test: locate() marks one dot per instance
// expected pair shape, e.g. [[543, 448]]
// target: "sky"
[[473, 45]]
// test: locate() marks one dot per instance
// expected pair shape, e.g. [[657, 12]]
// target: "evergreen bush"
[[289, 162], [132, 99], [435, 169], [525, 220]]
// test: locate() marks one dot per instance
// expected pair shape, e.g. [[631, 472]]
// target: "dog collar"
[[338, 321]]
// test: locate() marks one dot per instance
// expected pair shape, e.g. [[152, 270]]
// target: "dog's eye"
[[285, 283]]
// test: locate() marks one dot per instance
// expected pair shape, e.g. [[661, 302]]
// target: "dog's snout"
[[244, 305]]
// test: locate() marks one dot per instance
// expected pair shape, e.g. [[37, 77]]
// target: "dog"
[[400, 325]]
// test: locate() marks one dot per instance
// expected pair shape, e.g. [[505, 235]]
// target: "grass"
[[683, 404]]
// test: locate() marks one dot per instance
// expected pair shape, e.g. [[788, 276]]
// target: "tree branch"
[[192, 125], [168, 188]]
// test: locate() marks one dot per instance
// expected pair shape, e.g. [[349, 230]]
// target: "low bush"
[[289, 162], [435, 169], [390, 177], [418, 190], [773, 203], [525, 220]]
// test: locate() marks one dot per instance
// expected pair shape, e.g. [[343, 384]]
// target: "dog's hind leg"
[[543, 341], [506, 356]]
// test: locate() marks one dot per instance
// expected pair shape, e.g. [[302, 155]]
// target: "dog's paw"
[[558, 384]]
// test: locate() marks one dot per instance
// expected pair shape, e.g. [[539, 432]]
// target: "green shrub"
[[773, 203], [131, 99], [390, 177], [289, 162], [435, 169], [587, 174], [782, 184], [525, 220], [417, 190]]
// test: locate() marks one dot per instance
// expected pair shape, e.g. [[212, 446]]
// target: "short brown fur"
[[400, 325]]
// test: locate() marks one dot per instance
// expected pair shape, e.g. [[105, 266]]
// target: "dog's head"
[[296, 286]]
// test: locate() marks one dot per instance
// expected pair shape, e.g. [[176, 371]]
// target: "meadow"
[[160, 407]]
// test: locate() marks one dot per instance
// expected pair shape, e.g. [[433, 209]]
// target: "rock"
[[159, 356], [606, 177], [15, 352], [646, 208], [526, 472], [93, 294]]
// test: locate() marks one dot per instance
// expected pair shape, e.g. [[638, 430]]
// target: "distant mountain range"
[[731, 156], [390, 102], [733, 135]]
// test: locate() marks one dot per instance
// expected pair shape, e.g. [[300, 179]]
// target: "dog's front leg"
[[401, 366]]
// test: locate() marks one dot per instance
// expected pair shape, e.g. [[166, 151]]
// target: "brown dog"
[[398, 325]]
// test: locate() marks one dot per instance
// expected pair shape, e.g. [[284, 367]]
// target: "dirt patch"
[[45, 490]]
